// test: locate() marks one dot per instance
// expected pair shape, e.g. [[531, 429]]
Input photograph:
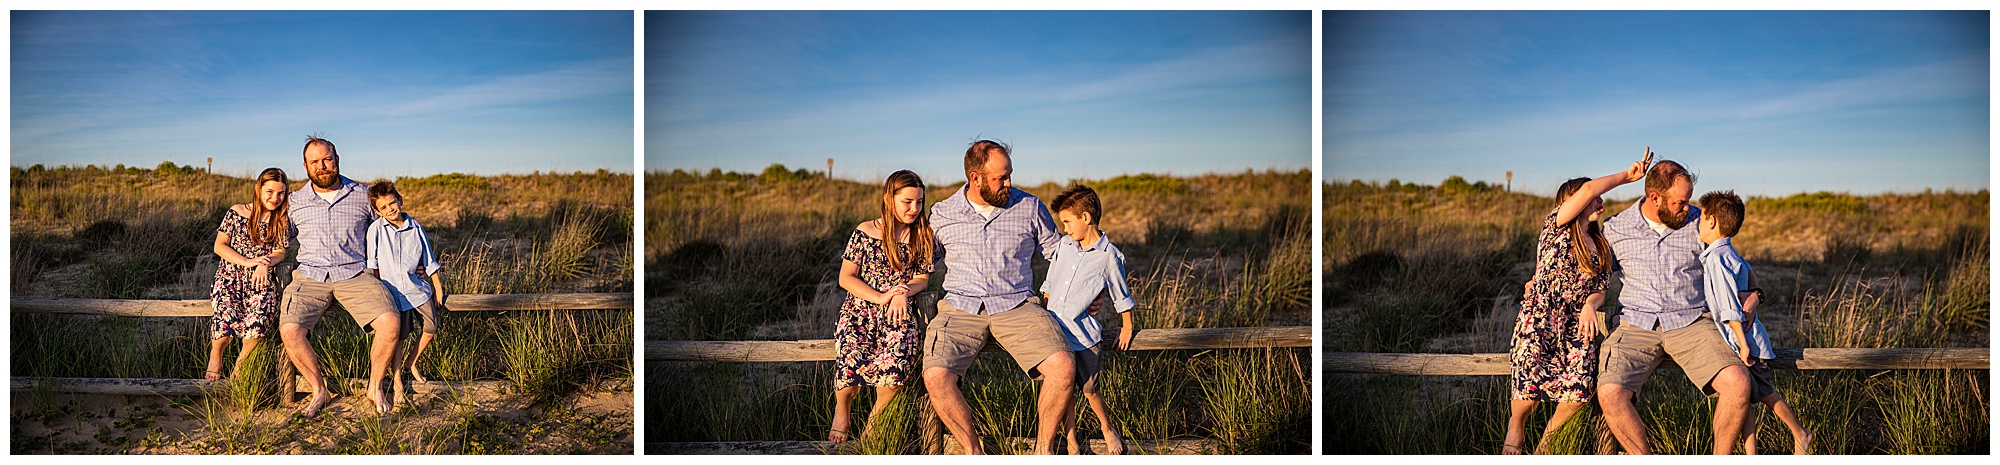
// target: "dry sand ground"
[[469, 422]]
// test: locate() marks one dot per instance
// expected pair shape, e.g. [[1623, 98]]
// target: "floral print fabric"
[[870, 348], [1550, 363], [243, 309]]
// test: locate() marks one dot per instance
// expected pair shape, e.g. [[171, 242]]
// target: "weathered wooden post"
[[829, 167], [1510, 180]]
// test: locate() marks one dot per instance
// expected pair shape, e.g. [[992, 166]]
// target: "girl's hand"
[[899, 307], [1586, 325], [1638, 169], [892, 292]]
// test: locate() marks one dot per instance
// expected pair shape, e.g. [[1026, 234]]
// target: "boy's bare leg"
[[1113, 444], [1069, 431], [1801, 438], [423, 342], [1564, 410], [1517, 425], [382, 355], [396, 372], [1751, 417], [1057, 396], [951, 408], [1623, 418], [843, 408], [884, 395], [307, 362], [215, 348]]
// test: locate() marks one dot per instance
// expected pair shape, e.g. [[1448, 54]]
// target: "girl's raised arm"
[[1573, 206]]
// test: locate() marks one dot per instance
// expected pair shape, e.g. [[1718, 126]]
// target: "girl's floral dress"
[[243, 309], [870, 348], [1549, 362]]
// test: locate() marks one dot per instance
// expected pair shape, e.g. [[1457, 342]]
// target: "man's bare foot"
[[1113, 445], [402, 396], [381, 401], [1802, 445], [1074, 448], [319, 400]]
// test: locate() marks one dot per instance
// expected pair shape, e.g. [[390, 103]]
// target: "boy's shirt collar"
[[409, 222], [1714, 246], [1103, 242]]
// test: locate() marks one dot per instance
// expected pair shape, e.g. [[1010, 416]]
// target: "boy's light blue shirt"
[[1725, 274], [1075, 278], [403, 257]]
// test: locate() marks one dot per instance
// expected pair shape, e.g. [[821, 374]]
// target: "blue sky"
[[400, 92], [1766, 103], [1078, 94]]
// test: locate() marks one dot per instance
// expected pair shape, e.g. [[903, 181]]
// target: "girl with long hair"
[[250, 241], [887, 261]]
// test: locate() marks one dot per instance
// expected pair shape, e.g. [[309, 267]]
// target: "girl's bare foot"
[[312, 406], [839, 432]]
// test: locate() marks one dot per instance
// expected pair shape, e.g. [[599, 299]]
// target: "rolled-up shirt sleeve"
[[1115, 283], [1720, 285]]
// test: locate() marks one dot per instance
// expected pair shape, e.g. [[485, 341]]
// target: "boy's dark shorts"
[[1089, 362], [1762, 382]]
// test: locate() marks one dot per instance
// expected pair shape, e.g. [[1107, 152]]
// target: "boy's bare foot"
[[1802, 445], [415, 375], [312, 406], [1113, 445]]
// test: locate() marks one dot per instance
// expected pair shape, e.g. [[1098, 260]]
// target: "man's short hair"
[[1661, 176], [1726, 208], [975, 156], [383, 189], [316, 139], [1079, 199]]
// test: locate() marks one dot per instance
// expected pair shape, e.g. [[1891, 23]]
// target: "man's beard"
[[996, 197], [326, 179], [1673, 220]]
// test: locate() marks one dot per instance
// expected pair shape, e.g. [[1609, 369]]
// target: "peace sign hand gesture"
[[1638, 169]]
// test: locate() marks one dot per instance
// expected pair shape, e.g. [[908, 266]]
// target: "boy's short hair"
[[383, 189], [1079, 199], [1726, 208]]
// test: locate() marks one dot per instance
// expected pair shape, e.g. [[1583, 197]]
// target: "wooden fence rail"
[[200, 307], [1796, 359], [822, 349]]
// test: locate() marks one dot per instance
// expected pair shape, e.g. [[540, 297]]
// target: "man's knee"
[[1614, 397], [294, 333], [939, 378], [1059, 367], [388, 323], [1733, 382]]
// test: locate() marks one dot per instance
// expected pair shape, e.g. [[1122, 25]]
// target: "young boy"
[[1725, 275], [399, 252], [1086, 265]]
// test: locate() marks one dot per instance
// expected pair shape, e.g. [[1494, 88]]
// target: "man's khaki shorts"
[[363, 296], [1632, 353], [1028, 332]]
